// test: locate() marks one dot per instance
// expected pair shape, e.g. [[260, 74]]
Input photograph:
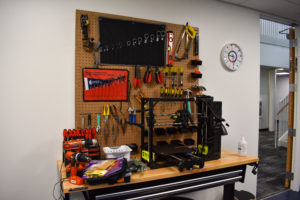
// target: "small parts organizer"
[[105, 84]]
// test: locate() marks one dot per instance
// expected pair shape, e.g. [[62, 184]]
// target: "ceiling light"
[[282, 73]]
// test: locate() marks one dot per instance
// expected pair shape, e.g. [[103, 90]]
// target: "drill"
[[77, 164], [77, 158]]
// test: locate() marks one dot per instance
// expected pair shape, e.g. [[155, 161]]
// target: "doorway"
[[273, 117]]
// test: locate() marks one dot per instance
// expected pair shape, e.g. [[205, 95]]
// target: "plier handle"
[[137, 78], [106, 110], [158, 76], [147, 76], [114, 113]]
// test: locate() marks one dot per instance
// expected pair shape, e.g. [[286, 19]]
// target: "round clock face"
[[232, 56]]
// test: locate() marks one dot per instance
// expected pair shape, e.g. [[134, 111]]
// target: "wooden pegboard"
[[84, 59]]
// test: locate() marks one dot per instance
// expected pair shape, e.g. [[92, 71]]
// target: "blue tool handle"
[[189, 107], [134, 119], [130, 119]]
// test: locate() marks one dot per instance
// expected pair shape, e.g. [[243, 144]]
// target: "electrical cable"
[[215, 115], [59, 182]]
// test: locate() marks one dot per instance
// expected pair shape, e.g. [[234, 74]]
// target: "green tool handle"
[[98, 119], [189, 107]]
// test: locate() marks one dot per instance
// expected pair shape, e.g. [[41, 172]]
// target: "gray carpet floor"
[[271, 170]]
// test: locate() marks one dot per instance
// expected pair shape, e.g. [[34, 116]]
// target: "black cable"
[[61, 189], [215, 115]]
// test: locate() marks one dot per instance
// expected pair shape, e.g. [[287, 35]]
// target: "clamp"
[[87, 42]]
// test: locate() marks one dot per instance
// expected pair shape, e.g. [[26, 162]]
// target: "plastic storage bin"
[[117, 151]]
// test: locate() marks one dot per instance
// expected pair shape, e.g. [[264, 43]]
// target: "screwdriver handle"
[[89, 121], [189, 107], [82, 121], [98, 119]]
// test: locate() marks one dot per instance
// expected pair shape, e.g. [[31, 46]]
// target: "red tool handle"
[[137, 83], [148, 77], [160, 78], [93, 133], [65, 133]]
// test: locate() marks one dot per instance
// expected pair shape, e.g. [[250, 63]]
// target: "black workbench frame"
[[226, 177]]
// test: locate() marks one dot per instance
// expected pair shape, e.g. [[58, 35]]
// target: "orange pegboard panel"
[[85, 59]]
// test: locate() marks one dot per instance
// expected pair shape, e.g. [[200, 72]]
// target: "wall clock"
[[232, 56]]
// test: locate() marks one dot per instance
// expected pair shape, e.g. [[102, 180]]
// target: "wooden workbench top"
[[228, 159]]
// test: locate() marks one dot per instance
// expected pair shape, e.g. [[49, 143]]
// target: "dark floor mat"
[[271, 170]]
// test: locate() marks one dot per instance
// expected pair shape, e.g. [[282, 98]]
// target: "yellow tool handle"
[[190, 31]]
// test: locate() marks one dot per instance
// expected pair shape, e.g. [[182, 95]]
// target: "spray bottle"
[[242, 146]]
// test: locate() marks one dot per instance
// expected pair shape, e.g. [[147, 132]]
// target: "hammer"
[[188, 92], [200, 89]]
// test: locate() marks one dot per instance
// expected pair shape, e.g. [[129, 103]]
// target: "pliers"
[[137, 78], [147, 76], [106, 117], [132, 115], [114, 113], [159, 78]]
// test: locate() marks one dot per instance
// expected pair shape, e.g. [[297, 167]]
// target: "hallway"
[[271, 170]]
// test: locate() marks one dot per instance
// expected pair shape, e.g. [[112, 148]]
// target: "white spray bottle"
[[242, 146]]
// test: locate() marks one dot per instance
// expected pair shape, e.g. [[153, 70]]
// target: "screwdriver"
[[181, 76], [175, 76], [162, 91], [166, 75]]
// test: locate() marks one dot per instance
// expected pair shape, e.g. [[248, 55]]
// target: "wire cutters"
[[158, 76], [137, 77], [106, 117], [114, 113], [147, 76]]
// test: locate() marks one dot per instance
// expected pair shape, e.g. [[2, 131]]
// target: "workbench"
[[226, 171]]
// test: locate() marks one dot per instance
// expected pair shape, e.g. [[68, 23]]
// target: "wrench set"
[[105, 84], [139, 41], [129, 42]]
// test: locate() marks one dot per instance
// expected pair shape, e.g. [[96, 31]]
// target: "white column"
[[295, 184]]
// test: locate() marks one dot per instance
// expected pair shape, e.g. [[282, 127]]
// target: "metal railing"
[[282, 120]]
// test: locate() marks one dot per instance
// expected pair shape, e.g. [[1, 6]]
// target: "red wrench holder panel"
[[105, 84]]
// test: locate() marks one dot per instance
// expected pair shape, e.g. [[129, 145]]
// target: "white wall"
[[282, 89], [264, 98], [273, 55], [37, 78]]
